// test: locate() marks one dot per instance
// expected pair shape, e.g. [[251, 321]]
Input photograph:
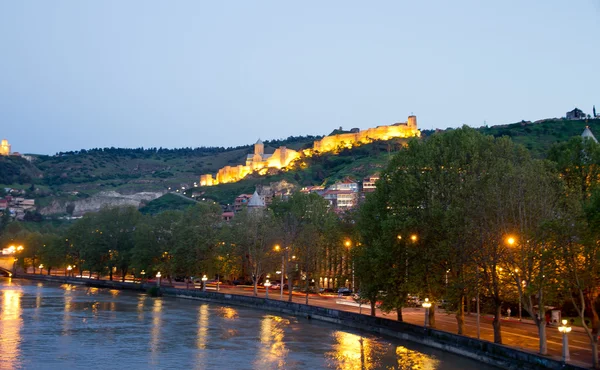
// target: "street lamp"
[[69, 268], [267, 285], [426, 305], [564, 329], [277, 249], [204, 278], [158, 279], [348, 244], [41, 266]]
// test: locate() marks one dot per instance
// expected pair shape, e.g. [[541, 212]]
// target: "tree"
[[579, 164], [254, 231]]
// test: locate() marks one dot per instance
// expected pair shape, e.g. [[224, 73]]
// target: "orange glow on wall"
[[283, 157]]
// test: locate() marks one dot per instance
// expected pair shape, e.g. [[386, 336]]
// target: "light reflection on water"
[[73, 327], [10, 326]]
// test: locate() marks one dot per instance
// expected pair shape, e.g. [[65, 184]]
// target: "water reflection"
[[351, 351], [67, 310], [409, 359], [202, 336], [272, 352], [10, 328], [140, 307], [54, 327], [228, 312], [156, 328]]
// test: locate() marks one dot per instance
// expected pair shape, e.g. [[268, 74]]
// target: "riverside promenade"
[[521, 335]]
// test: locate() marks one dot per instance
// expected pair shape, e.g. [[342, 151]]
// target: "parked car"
[[344, 292]]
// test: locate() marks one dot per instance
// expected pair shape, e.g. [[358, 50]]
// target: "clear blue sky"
[[82, 74]]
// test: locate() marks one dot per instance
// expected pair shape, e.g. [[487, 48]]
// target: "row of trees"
[[455, 217], [464, 215], [301, 233]]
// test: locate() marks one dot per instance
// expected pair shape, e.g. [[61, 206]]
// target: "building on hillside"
[[280, 158], [313, 189], [241, 201], [368, 184], [341, 199], [256, 201], [258, 161], [576, 114], [4, 147], [587, 133], [227, 216], [346, 184]]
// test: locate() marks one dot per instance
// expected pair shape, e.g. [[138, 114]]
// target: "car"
[[344, 292]]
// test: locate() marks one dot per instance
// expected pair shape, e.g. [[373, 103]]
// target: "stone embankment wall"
[[494, 354]]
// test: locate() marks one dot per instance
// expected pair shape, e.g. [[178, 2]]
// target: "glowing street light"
[[158, 275], [564, 329], [69, 269], [277, 249], [204, 279], [348, 244], [267, 285], [413, 237], [426, 305]]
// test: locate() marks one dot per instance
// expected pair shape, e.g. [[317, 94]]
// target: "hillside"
[[539, 136], [89, 178]]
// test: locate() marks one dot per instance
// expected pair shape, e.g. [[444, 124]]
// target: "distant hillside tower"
[[4, 147], [412, 122], [259, 148]]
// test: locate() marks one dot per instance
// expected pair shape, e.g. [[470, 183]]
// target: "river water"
[[51, 326]]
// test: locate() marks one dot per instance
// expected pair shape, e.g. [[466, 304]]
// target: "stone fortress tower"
[[4, 147]]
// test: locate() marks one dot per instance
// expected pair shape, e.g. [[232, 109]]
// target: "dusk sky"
[[85, 74]]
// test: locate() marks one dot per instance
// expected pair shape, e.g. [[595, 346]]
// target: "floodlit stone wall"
[[283, 157]]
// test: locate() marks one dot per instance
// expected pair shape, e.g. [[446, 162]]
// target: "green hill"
[[68, 176], [168, 201], [539, 136]]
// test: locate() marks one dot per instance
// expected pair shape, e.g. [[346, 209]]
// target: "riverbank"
[[486, 352]]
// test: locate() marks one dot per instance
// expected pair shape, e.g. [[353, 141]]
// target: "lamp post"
[[564, 329], [69, 268], [204, 278], [348, 244], [511, 242], [41, 266], [143, 273], [426, 305], [278, 248], [267, 285], [158, 279]]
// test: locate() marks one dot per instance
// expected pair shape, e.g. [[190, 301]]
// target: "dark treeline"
[[187, 151]]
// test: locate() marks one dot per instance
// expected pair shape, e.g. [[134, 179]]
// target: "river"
[[52, 326]]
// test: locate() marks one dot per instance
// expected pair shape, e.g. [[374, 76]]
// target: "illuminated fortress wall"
[[282, 157], [258, 161], [4, 147], [398, 130]]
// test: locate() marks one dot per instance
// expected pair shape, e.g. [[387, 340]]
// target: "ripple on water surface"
[[46, 326]]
